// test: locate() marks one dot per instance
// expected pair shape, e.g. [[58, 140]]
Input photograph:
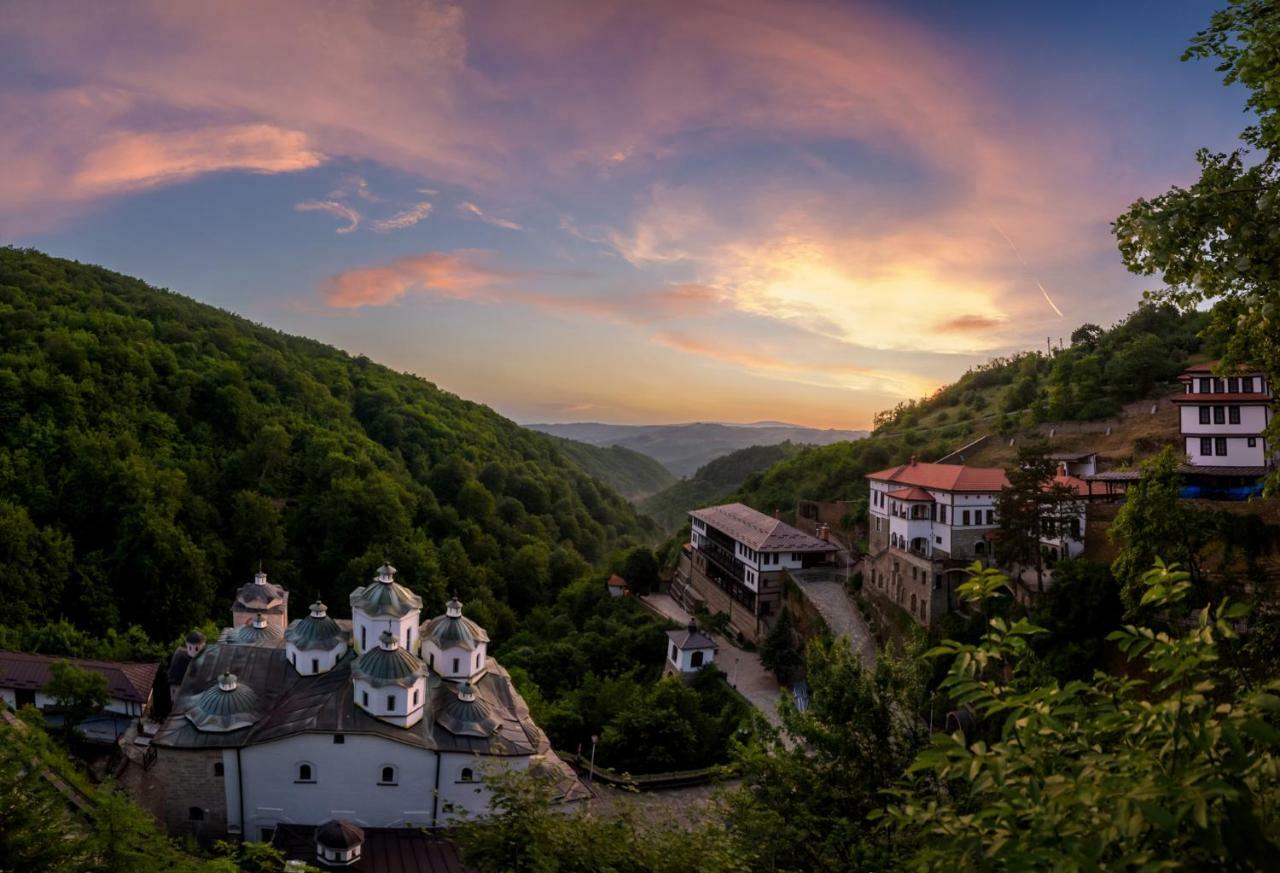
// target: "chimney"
[[824, 532], [777, 513], [913, 460]]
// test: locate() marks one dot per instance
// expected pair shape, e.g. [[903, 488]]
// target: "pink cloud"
[[334, 208], [457, 275]]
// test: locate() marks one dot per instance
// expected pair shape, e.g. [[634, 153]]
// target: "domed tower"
[[315, 644], [465, 715], [258, 630], [385, 605], [454, 646], [390, 683], [227, 706], [261, 596]]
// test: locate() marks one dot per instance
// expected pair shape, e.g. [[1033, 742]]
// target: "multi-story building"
[[736, 561], [1223, 419], [928, 522], [383, 720]]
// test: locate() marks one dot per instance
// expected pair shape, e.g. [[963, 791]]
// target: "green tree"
[[778, 652], [808, 786], [1216, 240], [1032, 508], [1178, 772], [80, 694], [1153, 521], [640, 569]]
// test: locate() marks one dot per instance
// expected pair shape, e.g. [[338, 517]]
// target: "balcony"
[[727, 577]]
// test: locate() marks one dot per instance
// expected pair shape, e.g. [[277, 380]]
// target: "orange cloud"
[[456, 275], [129, 161], [968, 324]]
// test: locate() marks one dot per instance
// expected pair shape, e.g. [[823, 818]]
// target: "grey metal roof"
[[1234, 472], [384, 850], [338, 833], [257, 631], [314, 631], [690, 638], [292, 704], [384, 596], [758, 531], [227, 705], [467, 715], [448, 632], [381, 666], [1070, 456], [261, 596]]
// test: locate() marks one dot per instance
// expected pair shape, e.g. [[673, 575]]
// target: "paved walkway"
[[826, 591], [743, 668]]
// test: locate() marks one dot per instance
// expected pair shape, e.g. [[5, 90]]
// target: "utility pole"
[[591, 773]]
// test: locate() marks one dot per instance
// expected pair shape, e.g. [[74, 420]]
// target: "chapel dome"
[[226, 706], [385, 597], [256, 631], [315, 631], [454, 631], [387, 664], [260, 594], [339, 834], [466, 715]]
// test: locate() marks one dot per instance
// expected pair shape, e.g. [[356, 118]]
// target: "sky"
[[632, 212]]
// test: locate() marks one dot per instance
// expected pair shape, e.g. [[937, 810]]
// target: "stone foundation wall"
[[909, 581], [179, 780]]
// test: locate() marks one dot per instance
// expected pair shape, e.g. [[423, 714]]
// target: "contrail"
[[1049, 300], [1023, 261]]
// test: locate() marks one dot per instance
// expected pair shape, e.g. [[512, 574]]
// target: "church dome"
[[339, 834], [385, 597], [465, 715], [226, 706], [260, 594], [453, 631], [387, 664], [257, 631], [316, 631]]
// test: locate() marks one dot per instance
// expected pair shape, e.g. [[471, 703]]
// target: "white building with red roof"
[[1223, 418], [927, 523]]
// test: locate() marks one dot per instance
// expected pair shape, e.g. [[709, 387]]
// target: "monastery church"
[[382, 720]]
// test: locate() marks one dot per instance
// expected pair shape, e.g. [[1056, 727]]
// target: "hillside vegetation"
[[1091, 379], [684, 448], [711, 482], [154, 449], [633, 475]]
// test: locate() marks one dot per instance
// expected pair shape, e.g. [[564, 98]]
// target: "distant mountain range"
[[683, 448]]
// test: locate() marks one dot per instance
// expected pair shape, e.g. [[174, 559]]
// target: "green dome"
[[257, 631], [316, 631], [384, 596], [453, 631], [467, 716], [227, 706], [387, 664]]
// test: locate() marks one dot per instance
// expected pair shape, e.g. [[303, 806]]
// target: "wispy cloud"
[[475, 211], [334, 208], [405, 218]]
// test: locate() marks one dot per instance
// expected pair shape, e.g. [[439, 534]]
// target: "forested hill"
[[154, 449], [669, 508], [630, 473], [1091, 378]]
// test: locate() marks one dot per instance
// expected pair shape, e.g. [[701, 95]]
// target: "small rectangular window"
[[1218, 386], [1233, 385], [218, 769], [1246, 384], [364, 697], [1233, 414], [991, 516], [1206, 446], [455, 665], [1204, 415], [391, 703], [1206, 386], [315, 665], [1219, 415], [1220, 445], [339, 739], [1253, 442], [965, 517], [942, 514]]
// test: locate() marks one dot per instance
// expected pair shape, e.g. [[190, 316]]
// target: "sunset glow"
[[801, 211]]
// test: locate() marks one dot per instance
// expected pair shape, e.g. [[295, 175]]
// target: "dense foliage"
[[153, 450], [711, 482], [1217, 239], [632, 474]]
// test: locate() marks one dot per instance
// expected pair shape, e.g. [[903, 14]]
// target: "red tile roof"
[[1208, 367], [911, 493], [125, 681], [1209, 399], [945, 477], [1075, 483], [616, 581]]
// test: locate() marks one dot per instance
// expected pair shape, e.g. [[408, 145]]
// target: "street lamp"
[[591, 773]]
